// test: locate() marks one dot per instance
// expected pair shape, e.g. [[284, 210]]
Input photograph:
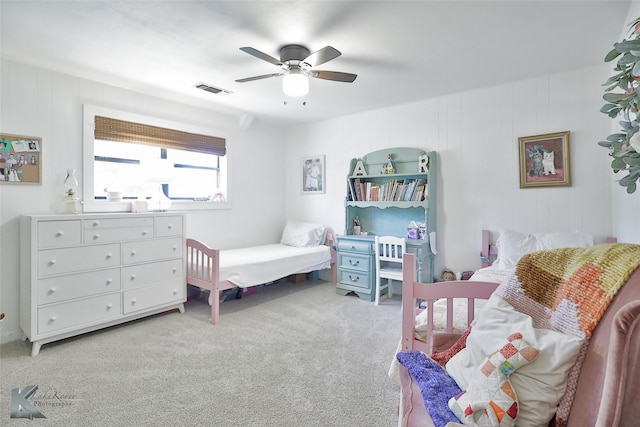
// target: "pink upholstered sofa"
[[607, 392]]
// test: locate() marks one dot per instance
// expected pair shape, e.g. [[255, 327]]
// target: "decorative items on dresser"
[[390, 192], [80, 273]]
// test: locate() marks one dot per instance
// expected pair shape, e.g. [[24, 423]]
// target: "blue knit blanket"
[[436, 386]]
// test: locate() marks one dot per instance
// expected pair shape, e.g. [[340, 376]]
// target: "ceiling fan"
[[297, 64]]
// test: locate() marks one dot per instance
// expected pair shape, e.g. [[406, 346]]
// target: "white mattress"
[[255, 265]]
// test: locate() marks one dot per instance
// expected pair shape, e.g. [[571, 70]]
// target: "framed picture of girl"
[[313, 175]]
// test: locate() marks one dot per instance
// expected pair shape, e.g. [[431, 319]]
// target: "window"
[[140, 157]]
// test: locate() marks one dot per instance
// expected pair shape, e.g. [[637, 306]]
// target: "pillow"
[[564, 240], [512, 245], [490, 399], [303, 234], [541, 384]]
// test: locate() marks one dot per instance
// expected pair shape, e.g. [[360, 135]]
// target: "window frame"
[[90, 204]]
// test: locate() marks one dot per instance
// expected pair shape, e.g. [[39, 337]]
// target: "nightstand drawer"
[[363, 246], [353, 262], [354, 278]]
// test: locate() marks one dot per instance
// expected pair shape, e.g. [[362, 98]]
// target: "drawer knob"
[[144, 232], [96, 236], [354, 263], [175, 248], [59, 234], [109, 306], [52, 319], [175, 292], [170, 226], [52, 290], [96, 223], [133, 301], [109, 281], [353, 247], [133, 277], [133, 253], [174, 270], [51, 262], [354, 279], [109, 256]]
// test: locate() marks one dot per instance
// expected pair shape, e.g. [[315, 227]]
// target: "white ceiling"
[[402, 51]]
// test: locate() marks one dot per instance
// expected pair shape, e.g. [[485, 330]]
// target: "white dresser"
[[79, 273]]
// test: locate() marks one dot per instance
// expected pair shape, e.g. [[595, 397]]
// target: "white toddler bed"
[[304, 248]]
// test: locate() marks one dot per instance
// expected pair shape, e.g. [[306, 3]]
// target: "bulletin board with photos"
[[20, 159]]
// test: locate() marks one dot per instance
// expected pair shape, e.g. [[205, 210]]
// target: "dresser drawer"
[[69, 260], [354, 278], [74, 314], [61, 288], [353, 262], [99, 223], [54, 234], [117, 230], [363, 246], [151, 296], [140, 275], [168, 226], [145, 251]]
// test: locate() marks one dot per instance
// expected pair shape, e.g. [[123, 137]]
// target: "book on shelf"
[[410, 188], [357, 188], [351, 191]]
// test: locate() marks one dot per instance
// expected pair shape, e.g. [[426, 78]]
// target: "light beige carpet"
[[289, 355]]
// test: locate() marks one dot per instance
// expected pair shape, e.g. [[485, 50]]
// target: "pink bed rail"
[[413, 291]]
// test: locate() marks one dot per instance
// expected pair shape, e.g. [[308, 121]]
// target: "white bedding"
[[256, 265]]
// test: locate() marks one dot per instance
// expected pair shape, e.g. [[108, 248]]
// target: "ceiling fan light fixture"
[[295, 83]]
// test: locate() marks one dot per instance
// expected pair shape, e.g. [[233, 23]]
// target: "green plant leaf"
[[618, 164], [631, 188], [627, 45], [632, 161], [615, 97], [611, 55], [606, 144], [626, 59], [617, 137], [636, 69], [626, 125]]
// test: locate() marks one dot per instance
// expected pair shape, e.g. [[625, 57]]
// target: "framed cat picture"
[[545, 160]]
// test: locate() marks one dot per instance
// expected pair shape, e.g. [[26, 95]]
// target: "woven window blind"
[[137, 133]]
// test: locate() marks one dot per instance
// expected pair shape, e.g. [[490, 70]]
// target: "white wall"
[[38, 102], [476, 136], [625, 207]]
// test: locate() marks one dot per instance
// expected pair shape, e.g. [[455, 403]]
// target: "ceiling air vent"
[[213, 89]]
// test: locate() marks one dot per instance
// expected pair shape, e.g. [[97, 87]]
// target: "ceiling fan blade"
[[333, 75], [261, 55], [264, 76], [321, 56]]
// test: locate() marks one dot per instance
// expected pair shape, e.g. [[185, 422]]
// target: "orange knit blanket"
[[569, 290]]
